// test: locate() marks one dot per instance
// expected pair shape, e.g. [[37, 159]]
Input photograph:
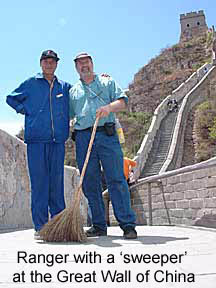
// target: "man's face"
[[84, 67], [48, 66]]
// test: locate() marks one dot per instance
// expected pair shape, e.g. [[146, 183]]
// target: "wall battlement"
[[192, 14]]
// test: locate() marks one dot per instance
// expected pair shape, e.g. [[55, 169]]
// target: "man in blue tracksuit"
[[44, 100]]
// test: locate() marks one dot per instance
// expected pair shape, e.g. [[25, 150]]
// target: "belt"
[[99, 128]]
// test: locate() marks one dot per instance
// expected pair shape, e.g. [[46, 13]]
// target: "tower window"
[[188, 25], [198, 23]]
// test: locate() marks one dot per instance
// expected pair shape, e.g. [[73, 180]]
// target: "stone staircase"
[[161, 145]]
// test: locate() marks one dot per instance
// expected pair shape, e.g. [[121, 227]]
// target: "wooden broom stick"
[[79, 190], [67, 225]]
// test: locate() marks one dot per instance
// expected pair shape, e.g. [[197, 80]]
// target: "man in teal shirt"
[[100, 96]]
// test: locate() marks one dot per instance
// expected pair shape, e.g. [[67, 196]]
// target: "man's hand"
[[103, 111], [115, 106]]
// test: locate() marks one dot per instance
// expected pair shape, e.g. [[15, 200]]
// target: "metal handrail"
[[157, 179]]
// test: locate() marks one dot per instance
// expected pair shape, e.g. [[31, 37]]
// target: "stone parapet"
[[192, 14], [15, 191], [187, 198]]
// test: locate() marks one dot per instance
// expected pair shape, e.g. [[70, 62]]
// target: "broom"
[[68, 225]]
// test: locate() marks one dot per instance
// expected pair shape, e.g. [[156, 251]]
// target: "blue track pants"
[[46, 170]]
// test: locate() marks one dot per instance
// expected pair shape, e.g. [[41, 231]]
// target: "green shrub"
[[209, 38], [135, 126], [212, 130]]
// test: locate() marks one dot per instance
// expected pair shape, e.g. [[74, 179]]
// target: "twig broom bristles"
[[68, 225]]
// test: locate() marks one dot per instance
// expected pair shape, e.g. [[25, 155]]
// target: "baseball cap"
[[49, 54], [82, 55]]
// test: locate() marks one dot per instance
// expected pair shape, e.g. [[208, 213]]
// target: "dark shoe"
[[37, 235], [95, 231], [130, 233]]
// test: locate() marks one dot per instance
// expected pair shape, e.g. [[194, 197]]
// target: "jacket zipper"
[[51, 111]]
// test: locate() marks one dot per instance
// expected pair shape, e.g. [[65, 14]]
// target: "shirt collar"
[[41, 76], [94, 80]]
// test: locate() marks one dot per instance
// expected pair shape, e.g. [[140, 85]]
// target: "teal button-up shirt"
[[85, 99]]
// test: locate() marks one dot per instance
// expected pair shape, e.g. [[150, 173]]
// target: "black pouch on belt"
[[109, 128], [73, 135]]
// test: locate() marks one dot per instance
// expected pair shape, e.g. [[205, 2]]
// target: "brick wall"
[[190, 199]]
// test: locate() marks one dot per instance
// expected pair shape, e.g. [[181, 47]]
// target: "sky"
[[121, 35]]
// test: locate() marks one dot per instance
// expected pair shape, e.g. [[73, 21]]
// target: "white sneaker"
[[37, 235]]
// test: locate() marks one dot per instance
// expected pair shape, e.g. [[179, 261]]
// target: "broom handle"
[[88, 152]]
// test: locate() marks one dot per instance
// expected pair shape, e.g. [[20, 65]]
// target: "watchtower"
[[192, 24]]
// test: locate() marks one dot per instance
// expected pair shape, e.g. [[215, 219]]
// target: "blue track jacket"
[[46, 109]]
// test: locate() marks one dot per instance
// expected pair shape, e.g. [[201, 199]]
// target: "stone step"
[[160, 147]]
